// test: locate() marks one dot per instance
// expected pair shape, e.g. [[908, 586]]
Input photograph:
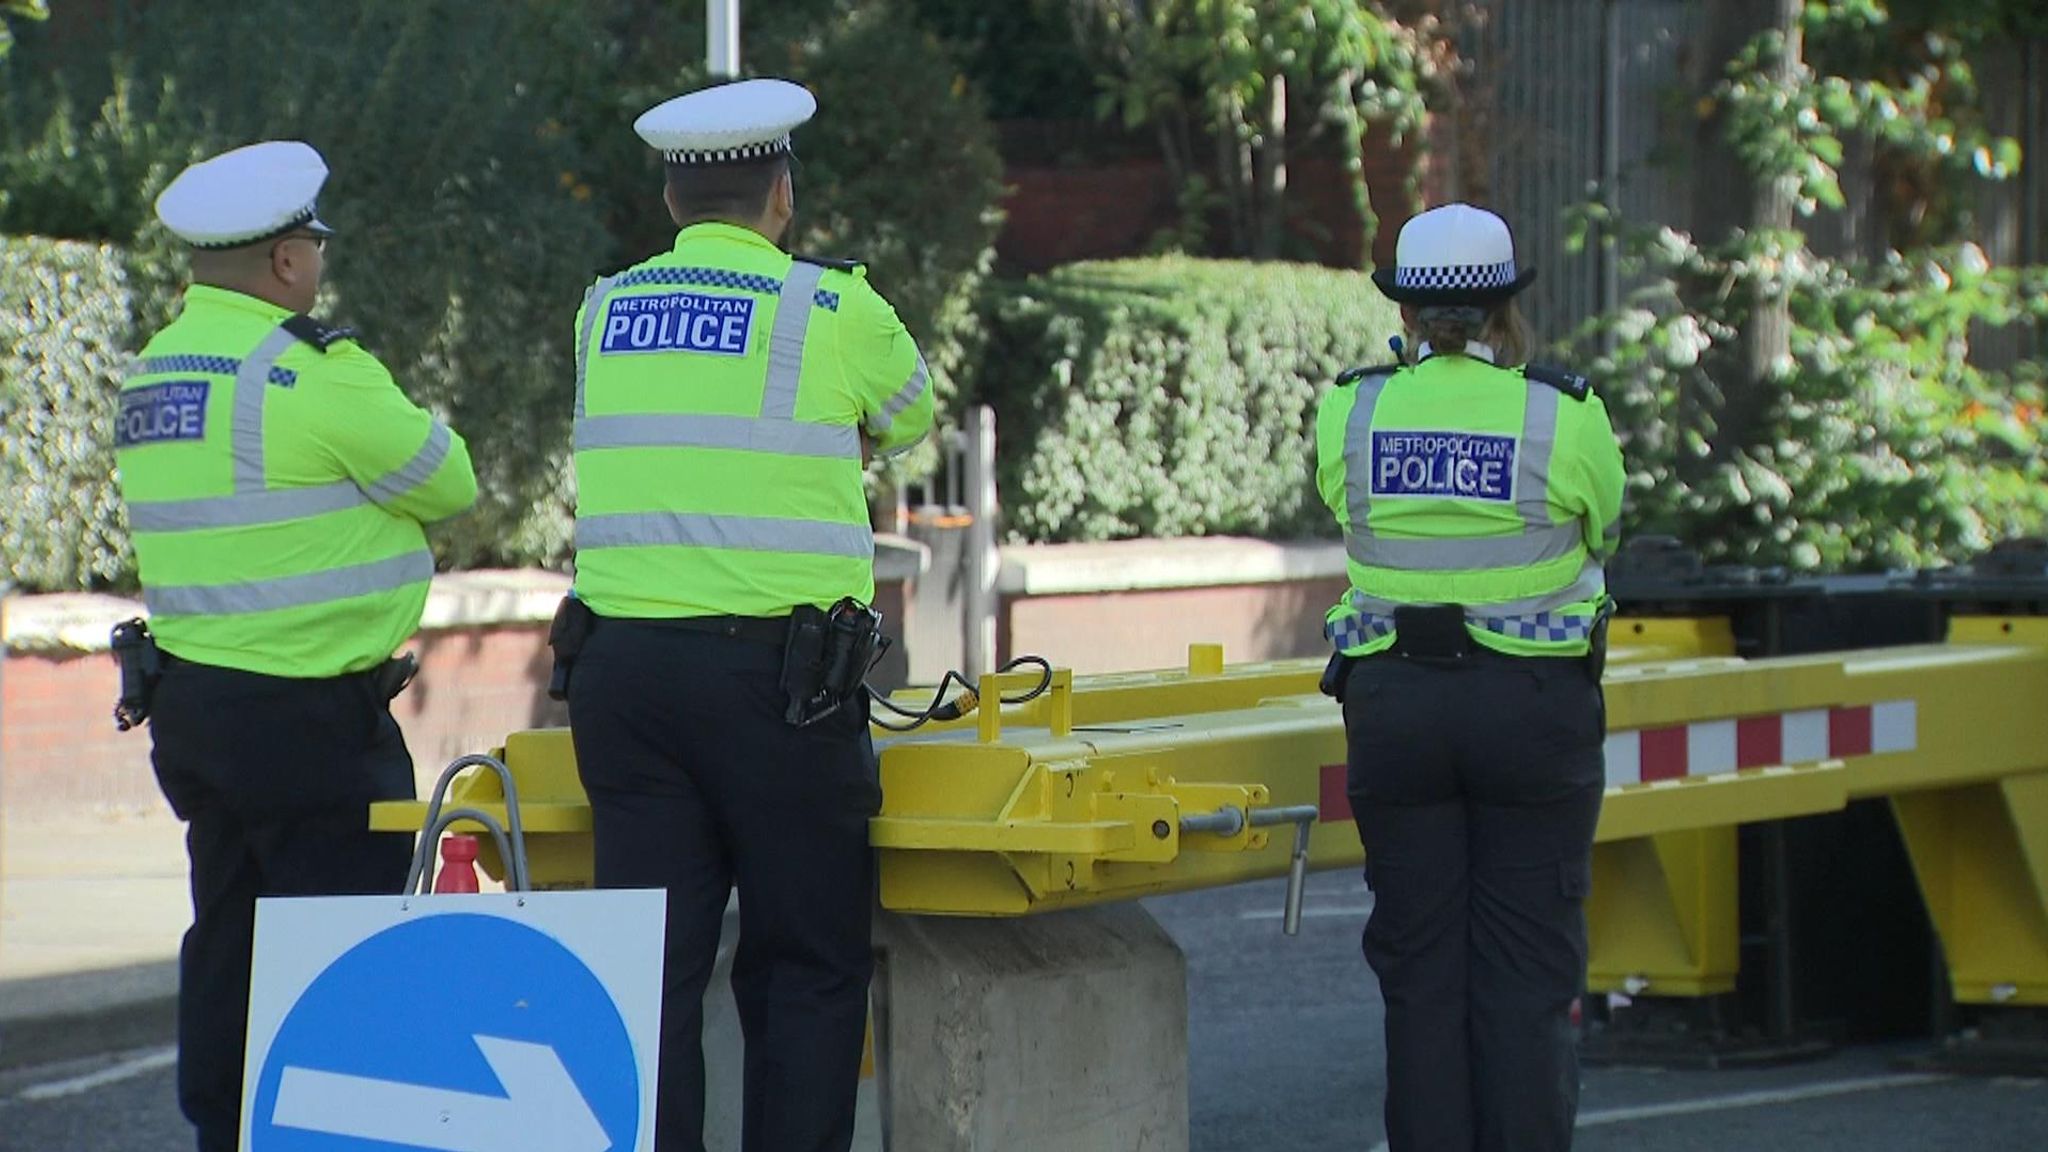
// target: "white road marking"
[[1819, 1091], [128, 1069], [1762, 1099]]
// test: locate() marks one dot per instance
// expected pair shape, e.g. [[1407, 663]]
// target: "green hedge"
[[1170, 397], [65, 332], [484, 171]]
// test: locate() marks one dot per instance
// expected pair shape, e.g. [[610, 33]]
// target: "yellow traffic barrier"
[[1114, 788]]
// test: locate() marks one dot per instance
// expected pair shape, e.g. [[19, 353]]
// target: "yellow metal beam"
[[1078, 797], [1206, 684]]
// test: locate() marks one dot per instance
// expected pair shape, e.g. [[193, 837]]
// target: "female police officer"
[[1478, 499]]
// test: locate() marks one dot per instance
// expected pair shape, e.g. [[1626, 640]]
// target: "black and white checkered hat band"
[[754, 151], [1457, 276], [305, 216]]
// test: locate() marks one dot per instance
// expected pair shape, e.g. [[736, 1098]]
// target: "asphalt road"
[[1286, 1055]]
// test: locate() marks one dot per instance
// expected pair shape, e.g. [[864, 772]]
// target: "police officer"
[[1478, 499], [276, 481], [726, 394]]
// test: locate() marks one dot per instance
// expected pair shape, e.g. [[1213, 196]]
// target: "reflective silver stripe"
[[1358, 455], [1610, 538], [1463, 554], [1532, 467], [252, 382], [592, 301], [920, 379], [900, 449], [700, 430], [416, 471], [786, 345], [1591, 582], [243, 510], [698, 530], [291, 591]]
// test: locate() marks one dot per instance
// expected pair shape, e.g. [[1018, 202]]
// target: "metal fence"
[[1586, 95], [1582, 94]]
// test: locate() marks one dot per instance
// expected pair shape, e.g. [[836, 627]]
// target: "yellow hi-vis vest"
[[1458, 482], [721, 392], [275, 480]]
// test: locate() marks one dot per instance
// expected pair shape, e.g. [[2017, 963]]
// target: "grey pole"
[[722, 38], [982, 556]]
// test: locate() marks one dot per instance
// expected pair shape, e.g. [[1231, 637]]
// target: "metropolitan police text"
[[1458, 464], [678, 322]]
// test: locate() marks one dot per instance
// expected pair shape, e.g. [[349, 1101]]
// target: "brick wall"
[[1059, 213], [1152, 628], [60, 754], [58, 746], [59, 750]]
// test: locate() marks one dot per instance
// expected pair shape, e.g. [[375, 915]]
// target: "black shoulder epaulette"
[[320, 335], [1570, 383], [1354, 375], [835, 265]]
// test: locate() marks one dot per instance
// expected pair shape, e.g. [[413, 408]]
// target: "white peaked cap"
[[250, 194], [746, 120]]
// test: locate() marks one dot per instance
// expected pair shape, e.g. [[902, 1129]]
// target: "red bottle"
[[458, 865]]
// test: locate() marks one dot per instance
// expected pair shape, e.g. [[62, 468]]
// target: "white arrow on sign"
[[541, 1111]]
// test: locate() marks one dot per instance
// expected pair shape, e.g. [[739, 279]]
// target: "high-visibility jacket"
[[722, 390], [276, 480], [1458, 482]]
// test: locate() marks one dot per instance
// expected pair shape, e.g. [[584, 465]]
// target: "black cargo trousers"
[[274, 778], [1476, 785], [699, 786]]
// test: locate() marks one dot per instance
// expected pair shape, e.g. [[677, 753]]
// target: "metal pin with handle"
[[1303, 817], [1229, 820]]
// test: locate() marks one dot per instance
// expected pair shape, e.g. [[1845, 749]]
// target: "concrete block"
[[1059, 1033]]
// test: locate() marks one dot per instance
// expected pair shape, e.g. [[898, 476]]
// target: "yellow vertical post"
[[1980, 854], [990, 709], [1205, 660], [1060, 705], [1662, 917]]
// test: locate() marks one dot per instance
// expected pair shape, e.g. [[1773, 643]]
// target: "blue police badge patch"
[[161, 413], [1465, 465], [678, 322]]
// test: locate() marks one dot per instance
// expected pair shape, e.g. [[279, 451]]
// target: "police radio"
[[141, 667]]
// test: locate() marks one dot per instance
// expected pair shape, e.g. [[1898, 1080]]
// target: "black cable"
[[968, 700]]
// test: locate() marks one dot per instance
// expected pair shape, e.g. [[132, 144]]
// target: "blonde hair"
[[1447, 330]]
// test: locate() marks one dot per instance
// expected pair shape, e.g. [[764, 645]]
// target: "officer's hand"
[[867, 449]]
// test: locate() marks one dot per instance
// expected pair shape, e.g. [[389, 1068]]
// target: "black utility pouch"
[[393, 675], [1335, 674], [141, 667], [1596, 654], [1431, 632], [572, 627], [827, 657], [803, 666], [853, 639]]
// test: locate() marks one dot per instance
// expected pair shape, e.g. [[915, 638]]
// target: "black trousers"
[[274, 778], [1476, 788], [696, 785]]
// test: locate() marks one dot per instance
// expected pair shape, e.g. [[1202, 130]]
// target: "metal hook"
[[512, 848]]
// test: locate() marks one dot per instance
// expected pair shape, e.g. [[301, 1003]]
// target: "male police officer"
[[726, 397], [276, 481], [1477, 500]]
